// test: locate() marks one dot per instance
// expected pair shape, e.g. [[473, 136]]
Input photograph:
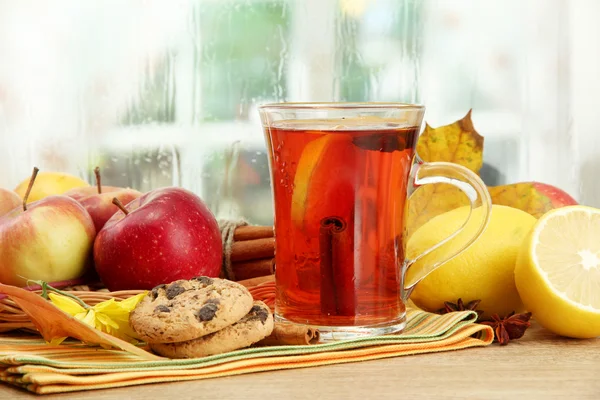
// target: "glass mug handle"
[[425, 173]]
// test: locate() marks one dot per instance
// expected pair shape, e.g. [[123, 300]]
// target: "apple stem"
[[118, 203], [31, 180], [98, 180]]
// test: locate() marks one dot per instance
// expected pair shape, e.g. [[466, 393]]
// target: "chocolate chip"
[[205, 280], [174, 290], [213, 301], [154, 291], [259, 313], [162, 308], [207, 312]]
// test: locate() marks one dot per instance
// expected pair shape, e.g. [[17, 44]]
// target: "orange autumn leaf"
[[52, 323], [458, 143]]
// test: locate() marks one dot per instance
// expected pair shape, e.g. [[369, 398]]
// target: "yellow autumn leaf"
[[458, 143], [532, 197]]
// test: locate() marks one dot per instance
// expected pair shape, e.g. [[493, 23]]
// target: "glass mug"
[[341, 174]]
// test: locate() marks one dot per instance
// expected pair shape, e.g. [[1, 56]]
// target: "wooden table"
[[538, 366]]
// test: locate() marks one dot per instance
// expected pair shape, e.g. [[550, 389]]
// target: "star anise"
[[511, 327], [461, 306]]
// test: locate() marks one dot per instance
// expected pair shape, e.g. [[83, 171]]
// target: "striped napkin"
[[30, 363]]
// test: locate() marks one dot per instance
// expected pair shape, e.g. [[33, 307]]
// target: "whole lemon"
[[484, 271]]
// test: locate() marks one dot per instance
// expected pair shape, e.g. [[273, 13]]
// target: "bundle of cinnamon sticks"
[[253, 252]]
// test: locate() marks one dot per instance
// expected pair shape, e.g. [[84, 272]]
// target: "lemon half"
[[558, 271]]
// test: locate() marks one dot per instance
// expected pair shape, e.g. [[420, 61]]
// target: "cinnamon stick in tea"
[[253, 268], [327, 289], [290, 334], [250, 232], [252, 249], [338, 295]]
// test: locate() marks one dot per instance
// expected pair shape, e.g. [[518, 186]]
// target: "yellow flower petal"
[[80, 316], [57, 341], [88, 317], [103, 328], [119, 310], [106, 305], [66, 304], [109, 316], [125, 306], [106, 320], [133, 301]]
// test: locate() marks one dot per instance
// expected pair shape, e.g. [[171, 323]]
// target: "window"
[[166, 94]]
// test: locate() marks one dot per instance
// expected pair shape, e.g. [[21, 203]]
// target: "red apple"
[[49, 239], [98, 201], [8, 201], [558, 197], [164, 235]]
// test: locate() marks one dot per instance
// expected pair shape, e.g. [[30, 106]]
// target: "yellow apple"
[[8, 201], [48, 184], [49, 240]]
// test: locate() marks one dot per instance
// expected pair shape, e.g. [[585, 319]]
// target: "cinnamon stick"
[[254, 249], [291, 334], [249, 232], [327, 288], [256, 281], [338, 294], [253, 268]]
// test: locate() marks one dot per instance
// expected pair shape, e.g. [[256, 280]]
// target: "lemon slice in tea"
[[324, 181]]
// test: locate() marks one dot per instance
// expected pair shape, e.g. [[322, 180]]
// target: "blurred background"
[[161, 93]]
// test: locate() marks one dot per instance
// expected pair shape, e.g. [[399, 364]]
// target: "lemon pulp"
[[558, 271]]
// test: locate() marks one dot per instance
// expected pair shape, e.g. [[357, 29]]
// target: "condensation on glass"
[[167, 94]]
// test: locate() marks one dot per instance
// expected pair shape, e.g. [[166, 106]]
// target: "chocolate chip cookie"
[[188, 309], [256, 325]]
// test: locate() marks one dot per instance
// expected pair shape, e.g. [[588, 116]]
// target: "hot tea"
[[340, 192], [341, 175]]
